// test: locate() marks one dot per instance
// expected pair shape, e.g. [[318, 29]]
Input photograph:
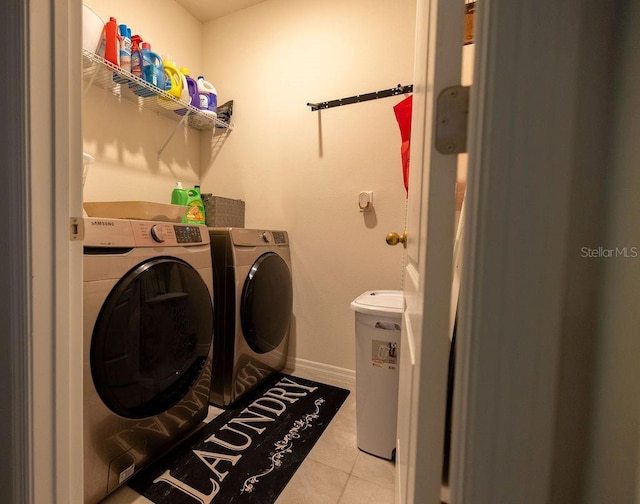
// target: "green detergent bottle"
[[195, 212], [178, 195]]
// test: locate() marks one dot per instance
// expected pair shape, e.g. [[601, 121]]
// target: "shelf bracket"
[[180, 123], [90, 83]]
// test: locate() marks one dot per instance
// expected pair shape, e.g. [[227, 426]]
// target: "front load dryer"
[[148, 329], [253, 303]]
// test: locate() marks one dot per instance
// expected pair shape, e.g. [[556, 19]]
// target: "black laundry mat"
[[249, 453]]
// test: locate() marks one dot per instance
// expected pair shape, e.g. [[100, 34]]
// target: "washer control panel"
[[168, 234], [125, 233], [189, 233]]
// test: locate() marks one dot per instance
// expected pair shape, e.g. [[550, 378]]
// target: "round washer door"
[[267, 303], [151, 338]]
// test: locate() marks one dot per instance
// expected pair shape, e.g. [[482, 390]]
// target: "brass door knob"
[[395, 238]]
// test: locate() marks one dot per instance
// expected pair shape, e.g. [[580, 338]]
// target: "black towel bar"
[[399, 89]]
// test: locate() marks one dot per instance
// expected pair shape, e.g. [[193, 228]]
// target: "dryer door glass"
[[152, 338], [267, 302]]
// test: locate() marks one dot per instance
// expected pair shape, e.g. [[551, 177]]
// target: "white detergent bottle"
[[208, 97]]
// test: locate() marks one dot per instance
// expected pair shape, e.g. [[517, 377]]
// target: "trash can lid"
[[381, 302]]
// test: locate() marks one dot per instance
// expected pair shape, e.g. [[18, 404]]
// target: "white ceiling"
[[206, 10]]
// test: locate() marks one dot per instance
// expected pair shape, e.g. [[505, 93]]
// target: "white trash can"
[[378, 323]]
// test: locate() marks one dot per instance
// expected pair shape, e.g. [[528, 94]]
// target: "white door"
[[428, 273]]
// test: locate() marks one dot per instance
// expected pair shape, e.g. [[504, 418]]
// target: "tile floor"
[[334, 472]]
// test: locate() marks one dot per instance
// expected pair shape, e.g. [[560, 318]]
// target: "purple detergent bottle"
[[190, 93]]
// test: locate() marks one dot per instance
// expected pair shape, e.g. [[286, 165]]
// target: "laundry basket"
[[223, 212]]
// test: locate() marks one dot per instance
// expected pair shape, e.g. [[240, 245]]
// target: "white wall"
[[302, 171], [296, 170], [125, 140]]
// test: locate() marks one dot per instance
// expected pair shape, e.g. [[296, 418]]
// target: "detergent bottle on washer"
[[178, 195], [195, 212]]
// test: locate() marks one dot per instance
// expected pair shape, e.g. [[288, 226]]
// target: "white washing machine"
[[148, 328], [253, 303]]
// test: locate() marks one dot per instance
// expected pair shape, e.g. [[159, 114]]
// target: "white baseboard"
[[320, 370]]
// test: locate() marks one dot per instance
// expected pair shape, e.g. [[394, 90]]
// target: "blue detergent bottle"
[[152, 71]]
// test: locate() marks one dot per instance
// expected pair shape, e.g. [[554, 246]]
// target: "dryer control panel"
[[242, 237]]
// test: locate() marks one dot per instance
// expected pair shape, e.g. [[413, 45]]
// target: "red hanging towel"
[[403, 115]]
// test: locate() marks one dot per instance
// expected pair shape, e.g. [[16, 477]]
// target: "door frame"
[[48, 287], [15, 306], [540, 122], [42, 351]]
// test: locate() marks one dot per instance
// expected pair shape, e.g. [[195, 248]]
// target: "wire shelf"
[[96, 70]]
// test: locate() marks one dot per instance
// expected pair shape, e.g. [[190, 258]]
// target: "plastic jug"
[[110, 42], [208, 97], [195, 212], [190, 93], [178, 195], [173, 83], [172, 78], [146, 65], [152, 66], [125, 54]]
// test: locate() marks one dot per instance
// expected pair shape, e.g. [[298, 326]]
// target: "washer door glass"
[[151, 338], [267, 302]]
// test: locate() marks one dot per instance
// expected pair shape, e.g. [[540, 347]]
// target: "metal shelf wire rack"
[[96, 70]]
